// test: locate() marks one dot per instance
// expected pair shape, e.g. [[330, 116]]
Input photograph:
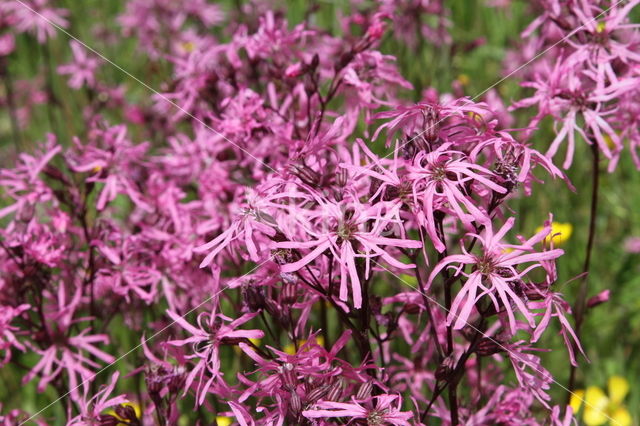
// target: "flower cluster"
[[288, 238], [589, 81]]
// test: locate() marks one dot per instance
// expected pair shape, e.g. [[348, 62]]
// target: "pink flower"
[[494, 273], [343, 230], [35, 17], [381, 410], [206, 339], [439, 180], [7, 44], [111, 158], [92, 410], [555, 306], [82, 69], [7, 331], [66, 352]]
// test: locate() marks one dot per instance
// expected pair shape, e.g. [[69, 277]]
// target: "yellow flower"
[[223, 420], [291, 349], [560, 233], [599, 407], [463, 79]]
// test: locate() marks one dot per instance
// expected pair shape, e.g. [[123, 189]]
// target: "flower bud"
[[431, 125], [128, 413], [107, 420], [253, 297], [342, 176], [306, 174], [289, 294], [364, 391], [444, 370], [289, 376], [344, 60], [487, 346], [317, 393], [598, 299], [536, 292], [412, 308], [295, 403], [315, 61], [335, 391], [272, 308]]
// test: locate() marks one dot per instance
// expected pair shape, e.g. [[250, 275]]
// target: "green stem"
[[580, 305]]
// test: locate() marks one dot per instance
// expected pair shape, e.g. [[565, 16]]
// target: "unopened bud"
[[305, 174], [295, 403], [444, 370], [253, 297], [272, 308], [364, 391], [598, 299], [317, 393], [487, 346], [315, 61], [537, 292], [342, 176], [26, 213], [431, 125], [127, 412], [344, 60], [107, 420], [54, 173], [412, 308], [289, 376], [335, 391], [289, 294]]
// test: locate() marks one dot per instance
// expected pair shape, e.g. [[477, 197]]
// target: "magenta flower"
[[24, 184], [111, 162], [206, 339], [555, 306], [82, 69], [494, 273], [343, 231], [382, 410], [26, 20], [439, 180], [8, 338], [92, 409], [253, 219], [66, 352]]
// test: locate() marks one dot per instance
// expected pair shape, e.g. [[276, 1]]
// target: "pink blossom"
[[206, 340], [382, 410], [494, 273], [82, 69]]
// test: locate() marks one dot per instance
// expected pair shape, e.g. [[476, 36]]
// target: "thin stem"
[[580, 305], [268, 327], [48, 75], [11, 104], [324, 323], [427, 304], [452, 391]]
